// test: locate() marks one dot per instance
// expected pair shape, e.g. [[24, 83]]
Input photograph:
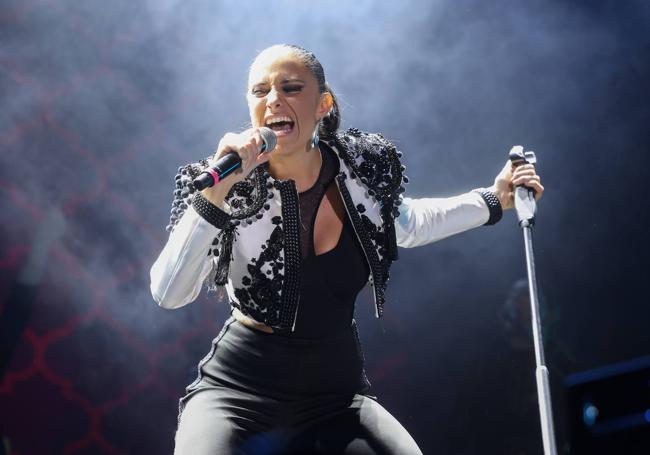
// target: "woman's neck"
[[303, 167]]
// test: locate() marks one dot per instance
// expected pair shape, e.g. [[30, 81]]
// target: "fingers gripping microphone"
[[524, 197], [230, 162]]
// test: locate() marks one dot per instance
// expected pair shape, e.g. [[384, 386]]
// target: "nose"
[[273, 99]]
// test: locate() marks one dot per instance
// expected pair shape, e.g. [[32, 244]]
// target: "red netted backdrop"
[[96, 366]]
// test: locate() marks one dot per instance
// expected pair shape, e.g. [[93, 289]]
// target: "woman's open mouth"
[[280, 124]]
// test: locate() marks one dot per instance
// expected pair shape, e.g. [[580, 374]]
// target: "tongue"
[[282, 127]]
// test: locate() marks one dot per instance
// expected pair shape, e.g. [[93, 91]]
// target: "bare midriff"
[[248, 322]]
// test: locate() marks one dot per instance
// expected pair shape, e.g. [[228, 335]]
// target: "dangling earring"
[[314, 137]]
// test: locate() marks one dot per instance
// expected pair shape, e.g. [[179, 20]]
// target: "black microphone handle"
[[223, 167], [525, 204], [230, 162]]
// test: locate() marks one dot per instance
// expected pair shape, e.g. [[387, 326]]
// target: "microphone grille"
[[269, 138]]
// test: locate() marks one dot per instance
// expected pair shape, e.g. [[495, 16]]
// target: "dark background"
[[101, 102]]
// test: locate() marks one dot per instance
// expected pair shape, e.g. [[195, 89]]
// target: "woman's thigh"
[[222, 421], [217, 421], [364, 428]]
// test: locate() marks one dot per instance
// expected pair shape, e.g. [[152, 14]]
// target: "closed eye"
[[259, 92], [288, 89], [292, 88]]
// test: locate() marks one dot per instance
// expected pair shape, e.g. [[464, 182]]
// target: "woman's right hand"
[[247, 145]]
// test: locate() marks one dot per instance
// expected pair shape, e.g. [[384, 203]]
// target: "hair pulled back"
[[331, 122]]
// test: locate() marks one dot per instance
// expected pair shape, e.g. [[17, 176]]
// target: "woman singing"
[[294, 236]]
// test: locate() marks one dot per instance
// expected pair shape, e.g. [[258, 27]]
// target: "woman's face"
[[283, 95]]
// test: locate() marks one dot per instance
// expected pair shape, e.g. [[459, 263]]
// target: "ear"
[[325, 104]]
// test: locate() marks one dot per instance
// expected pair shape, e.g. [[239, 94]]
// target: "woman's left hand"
[[510, 177]]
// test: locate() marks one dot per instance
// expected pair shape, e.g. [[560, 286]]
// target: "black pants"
[[260, 393]]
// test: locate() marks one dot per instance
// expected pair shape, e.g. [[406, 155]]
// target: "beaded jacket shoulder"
[[375, 161]]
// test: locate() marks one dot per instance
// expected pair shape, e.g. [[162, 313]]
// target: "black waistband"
[[280, 367]]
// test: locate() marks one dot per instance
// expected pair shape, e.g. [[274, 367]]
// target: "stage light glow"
[[590, 414]]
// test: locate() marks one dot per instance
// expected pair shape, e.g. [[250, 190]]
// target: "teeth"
[[278, 119]]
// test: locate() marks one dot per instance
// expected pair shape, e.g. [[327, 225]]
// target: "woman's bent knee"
[[382, 431], [205, 429]]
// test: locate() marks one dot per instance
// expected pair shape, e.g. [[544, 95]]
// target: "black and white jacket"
[[255, 249]]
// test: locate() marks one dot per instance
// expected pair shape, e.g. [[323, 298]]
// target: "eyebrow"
[[284, 81]]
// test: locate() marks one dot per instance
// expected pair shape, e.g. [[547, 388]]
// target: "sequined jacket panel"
[[256, 253]]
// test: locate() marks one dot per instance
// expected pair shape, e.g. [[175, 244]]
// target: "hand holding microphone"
[[526, 184], [236, 156], [516, 173]]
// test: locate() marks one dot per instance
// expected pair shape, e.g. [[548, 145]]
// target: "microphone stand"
[[526, 208]]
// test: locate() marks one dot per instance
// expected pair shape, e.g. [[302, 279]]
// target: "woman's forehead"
[[283, 64]]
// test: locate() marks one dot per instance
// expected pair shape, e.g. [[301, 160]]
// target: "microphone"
[[525, 204], [230, 162]]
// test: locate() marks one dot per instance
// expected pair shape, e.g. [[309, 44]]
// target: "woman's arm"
[[426, 220], [178, 273], [184, 263]]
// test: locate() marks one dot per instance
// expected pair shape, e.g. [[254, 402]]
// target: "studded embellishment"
[[210, 212], [285, 316], [183, 192], [494, 206], [220, 277], [376, 163], [261, 292], [248, 198]]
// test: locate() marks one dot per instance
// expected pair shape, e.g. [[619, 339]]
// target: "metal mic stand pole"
[[526, 208]]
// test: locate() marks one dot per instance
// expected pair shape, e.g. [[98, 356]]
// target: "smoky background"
[[101, 102]]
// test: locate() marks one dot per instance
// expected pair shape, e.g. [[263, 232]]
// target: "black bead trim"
[[224, 256], [492, 201], [183, 190], [290, 298], [391, 247], [210, 212], [251, 194], [366, 244]]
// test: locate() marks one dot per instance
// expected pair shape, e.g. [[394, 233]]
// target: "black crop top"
[[330, 282]]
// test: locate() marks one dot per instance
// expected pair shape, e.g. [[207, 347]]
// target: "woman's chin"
[[283, 148], [287, 143]]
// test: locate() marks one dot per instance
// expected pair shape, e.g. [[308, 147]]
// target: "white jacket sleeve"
[[426, 220], [178, 273]]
